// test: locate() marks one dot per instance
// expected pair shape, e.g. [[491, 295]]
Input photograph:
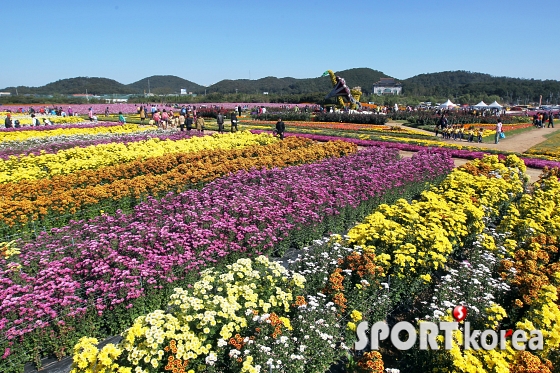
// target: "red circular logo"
[[460, 313]]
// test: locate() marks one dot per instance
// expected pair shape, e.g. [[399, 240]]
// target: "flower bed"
[[84, 194], [352, 118], [17, 140], [93, 157], [26, 120], [255, 316], [12, 132], [341, 126], [456, 153], [53, 144], [94, 277]]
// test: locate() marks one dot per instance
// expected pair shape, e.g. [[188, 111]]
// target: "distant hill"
[[466, 85], [362, 77], [165, 84], [448, 78], [169, 84], [469, 84], [96, 86]]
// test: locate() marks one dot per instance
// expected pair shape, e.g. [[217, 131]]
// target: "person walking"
[[142, 114], [189, 122], [200, 124], [550, 120], [280, 128], [498, 130], [233, 121], [220, 121], [182, 122], [164, 119]]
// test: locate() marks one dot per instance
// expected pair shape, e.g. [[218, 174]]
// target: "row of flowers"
[[10, 131], [521, 279], [257, 316], [85, 193], [550, 151], [53, 144], [99, 275], [67, 161], [27, 121], [11, 138], [489, 129], [340, 126], [507, 277]]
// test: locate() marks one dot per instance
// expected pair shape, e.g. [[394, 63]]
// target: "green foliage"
[[285, 115], [461, 86], [352, 118], [164, 84], [26, 100], [430, 119], [468, 87]]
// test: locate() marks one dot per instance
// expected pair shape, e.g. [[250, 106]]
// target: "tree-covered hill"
[[165, 84], [465, 83], [79, 85], [362, 77], [461, 85]]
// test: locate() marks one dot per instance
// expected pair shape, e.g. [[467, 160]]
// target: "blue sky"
[[210, 40]]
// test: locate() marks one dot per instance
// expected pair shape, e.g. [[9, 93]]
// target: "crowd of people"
[[458, 132], [542, 118], [44, 110], [9, 123]]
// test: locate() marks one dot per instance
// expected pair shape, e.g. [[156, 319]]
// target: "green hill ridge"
[[451, 84]]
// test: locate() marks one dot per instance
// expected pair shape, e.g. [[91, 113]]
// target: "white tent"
[[495, 105], [480, 105], [447, 104]]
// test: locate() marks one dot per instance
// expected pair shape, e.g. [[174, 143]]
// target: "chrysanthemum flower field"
[[245, 253]]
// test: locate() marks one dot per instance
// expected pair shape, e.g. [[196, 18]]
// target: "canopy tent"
[[447, 104], [495, 105], [480, 105]]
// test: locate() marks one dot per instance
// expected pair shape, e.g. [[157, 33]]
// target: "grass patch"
[[550, 145]]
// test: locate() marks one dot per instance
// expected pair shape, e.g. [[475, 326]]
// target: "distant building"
[[115, 98], [84, 95], [5, 93], [387, 86]]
